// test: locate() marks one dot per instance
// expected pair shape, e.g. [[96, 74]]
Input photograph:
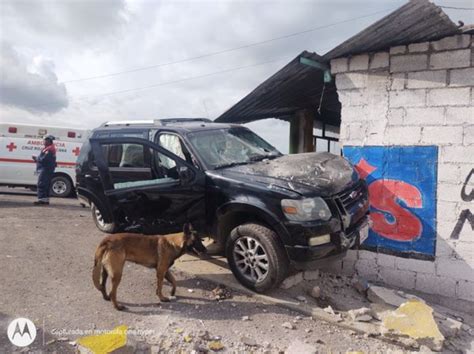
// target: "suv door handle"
[[95, 178]]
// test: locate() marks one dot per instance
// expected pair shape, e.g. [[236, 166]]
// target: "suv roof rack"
[[163, 121], [126, 123]]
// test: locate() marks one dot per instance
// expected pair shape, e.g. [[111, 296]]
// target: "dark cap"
[[49, 137]]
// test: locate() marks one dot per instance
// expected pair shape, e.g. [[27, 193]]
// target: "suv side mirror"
[[185, 175]]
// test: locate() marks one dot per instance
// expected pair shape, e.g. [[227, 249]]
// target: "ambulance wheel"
[[99, 221], [61, 187]]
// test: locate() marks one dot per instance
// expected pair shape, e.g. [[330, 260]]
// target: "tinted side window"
[[137, 165], [126, 155]]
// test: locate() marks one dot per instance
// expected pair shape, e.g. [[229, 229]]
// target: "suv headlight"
[[305, 209]]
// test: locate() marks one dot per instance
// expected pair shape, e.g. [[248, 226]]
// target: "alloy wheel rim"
[[251, 259], [98, 217]]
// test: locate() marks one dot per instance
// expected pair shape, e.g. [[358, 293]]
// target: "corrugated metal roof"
[[416, 21], [296, 86]]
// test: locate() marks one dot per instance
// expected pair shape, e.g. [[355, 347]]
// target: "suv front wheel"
[[256, 257], [109, 228]]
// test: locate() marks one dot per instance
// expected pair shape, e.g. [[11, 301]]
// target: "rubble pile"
[[378, 311]]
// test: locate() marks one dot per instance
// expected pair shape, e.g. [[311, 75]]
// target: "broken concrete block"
[[311, 274], [291, 281], [363, 314], [288, 325], [380, 294], [415, 319], [299, 347]]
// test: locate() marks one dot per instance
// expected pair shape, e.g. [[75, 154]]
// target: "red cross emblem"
[[11, 147], [76, 151]]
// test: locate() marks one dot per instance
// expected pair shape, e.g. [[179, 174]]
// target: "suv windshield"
[[229, 147]]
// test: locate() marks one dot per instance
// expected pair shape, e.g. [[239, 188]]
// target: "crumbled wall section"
[[418, 95]]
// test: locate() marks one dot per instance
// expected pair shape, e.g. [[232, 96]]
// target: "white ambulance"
[[19, 142]]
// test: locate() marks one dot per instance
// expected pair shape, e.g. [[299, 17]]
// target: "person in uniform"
[[45, 166]]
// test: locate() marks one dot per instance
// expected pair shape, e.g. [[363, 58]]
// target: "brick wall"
[[416, 95]]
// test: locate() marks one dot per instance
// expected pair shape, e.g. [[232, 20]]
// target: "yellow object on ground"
[[107, 342], [415, 319]]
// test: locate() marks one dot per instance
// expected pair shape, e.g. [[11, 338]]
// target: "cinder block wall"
[[416, 95]]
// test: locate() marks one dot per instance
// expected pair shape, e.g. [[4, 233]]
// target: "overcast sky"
[[50, 50]]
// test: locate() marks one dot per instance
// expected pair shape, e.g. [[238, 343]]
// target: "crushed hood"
[[323, 172]]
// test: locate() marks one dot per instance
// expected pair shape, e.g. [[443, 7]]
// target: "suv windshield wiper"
[[263, 157], [231, 164]]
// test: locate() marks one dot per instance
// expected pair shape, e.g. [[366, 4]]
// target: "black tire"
[[108, 228], [61, 187], [267, 250]]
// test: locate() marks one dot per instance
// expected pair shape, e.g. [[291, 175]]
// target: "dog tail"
[[99, 253]]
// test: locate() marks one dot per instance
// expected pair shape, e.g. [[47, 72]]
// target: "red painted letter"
[[383, 196]]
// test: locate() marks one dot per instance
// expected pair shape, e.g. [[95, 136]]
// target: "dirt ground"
[[46, 256]]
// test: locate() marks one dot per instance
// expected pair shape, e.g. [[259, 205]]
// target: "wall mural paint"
[[402, 184]]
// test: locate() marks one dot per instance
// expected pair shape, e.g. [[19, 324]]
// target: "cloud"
[[35, 89], [82, 21], [96, 37]]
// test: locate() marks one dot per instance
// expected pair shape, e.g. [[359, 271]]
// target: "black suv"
[[265, 209]]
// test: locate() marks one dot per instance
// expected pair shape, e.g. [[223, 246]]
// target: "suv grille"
[[352, 196]]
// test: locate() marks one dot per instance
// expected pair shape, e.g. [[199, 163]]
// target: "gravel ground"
[[46, 256]]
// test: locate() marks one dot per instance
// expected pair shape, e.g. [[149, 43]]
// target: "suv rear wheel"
[[256, 257], [109, 228]]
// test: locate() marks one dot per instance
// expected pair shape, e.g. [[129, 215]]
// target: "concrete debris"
[[299, 347], [425, 350], [220, 292], [415, 319], [450, 327], [288, 325], [249, 341], [245, 318], [363, 314], [215, 346], [106, 342], [301, 298], [311, 274], [199, 349], [315, 292], [204, 335], [361, 285], [380, 294], [329, 310], [291, 281]]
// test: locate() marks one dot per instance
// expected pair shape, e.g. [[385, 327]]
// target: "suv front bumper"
[[304, 257]]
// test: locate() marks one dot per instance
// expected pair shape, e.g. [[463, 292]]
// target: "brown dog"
[[157, 252]]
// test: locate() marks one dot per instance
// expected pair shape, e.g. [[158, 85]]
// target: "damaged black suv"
[[267, 210]]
